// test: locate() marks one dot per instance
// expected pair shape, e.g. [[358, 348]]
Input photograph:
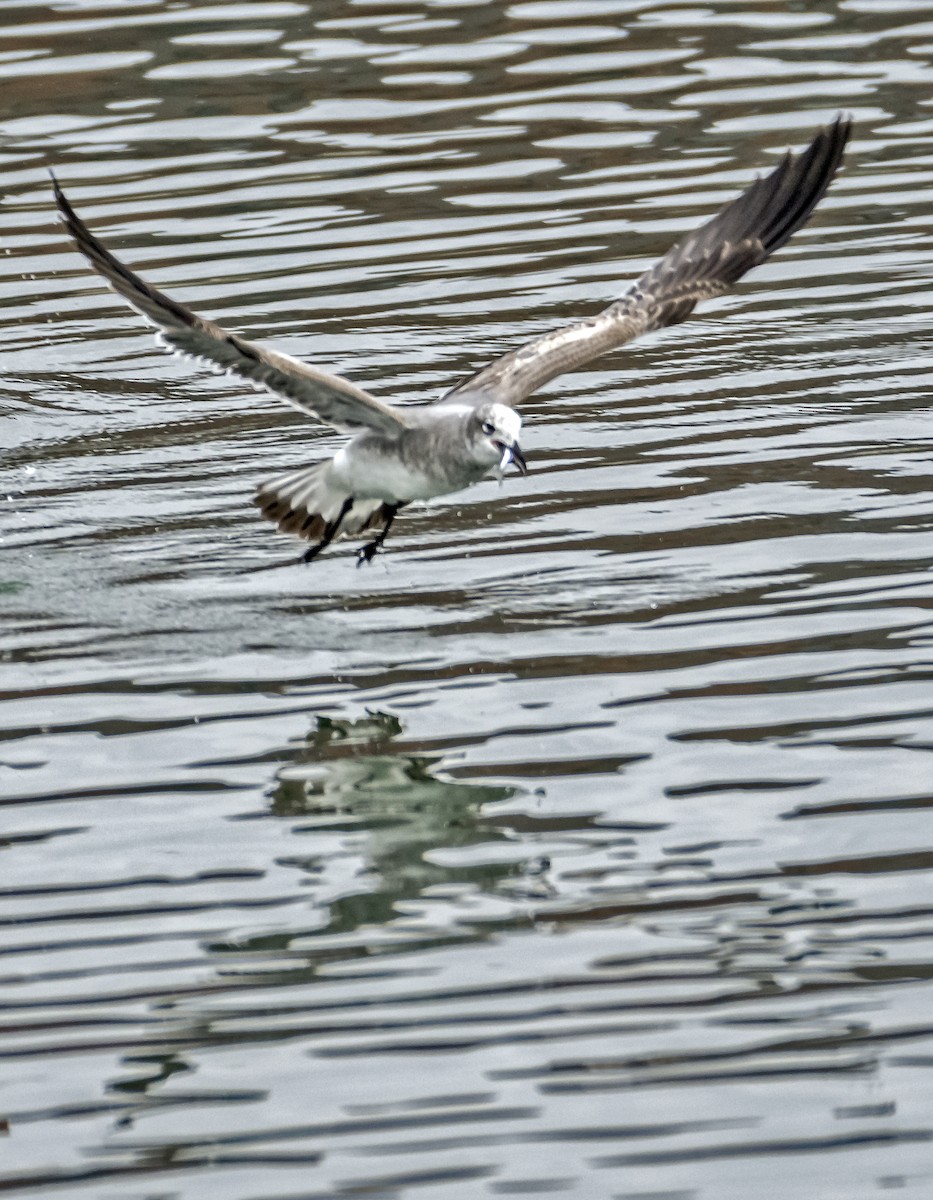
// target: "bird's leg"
[[330, 532], [368, 552]]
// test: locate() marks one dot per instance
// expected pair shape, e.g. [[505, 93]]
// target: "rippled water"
[[581, 844]]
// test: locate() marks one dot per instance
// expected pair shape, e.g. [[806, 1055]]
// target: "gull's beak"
[[513, 454]]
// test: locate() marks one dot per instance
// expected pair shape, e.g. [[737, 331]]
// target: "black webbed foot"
[[368, 552]]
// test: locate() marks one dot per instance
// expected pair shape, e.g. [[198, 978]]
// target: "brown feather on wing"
[[703, 265]]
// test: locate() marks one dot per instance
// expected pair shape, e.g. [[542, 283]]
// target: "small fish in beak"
[[513, 454]]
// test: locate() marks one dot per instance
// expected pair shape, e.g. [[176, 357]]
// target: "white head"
[[496, 428]]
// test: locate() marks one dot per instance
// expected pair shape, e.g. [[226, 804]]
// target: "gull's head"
[[495, 429]]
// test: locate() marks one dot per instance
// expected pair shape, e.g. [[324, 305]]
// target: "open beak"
[[513, 454]]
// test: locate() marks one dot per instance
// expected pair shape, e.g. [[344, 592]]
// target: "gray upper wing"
[[328, 397], [704, 264]]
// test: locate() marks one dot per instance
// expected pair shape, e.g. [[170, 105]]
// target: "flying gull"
[[399, 454]]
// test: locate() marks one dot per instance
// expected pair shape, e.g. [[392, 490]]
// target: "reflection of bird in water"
[[397, 455], [417, 823]]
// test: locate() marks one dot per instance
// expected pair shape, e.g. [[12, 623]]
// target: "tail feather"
[[305, 502]]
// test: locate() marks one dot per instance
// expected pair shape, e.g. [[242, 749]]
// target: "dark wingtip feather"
[[810, 174], [750, 228], [159, 309], [72, 222]]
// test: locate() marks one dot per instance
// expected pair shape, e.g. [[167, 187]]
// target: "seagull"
[[396, 455]]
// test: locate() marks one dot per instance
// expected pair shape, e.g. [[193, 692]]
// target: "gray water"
[[581, 845]]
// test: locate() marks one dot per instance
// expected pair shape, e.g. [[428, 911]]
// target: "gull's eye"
[[488, 428]]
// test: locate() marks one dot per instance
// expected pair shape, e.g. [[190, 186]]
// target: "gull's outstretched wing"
[[704, 264], [328, 397]]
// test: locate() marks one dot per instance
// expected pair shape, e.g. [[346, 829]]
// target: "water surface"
[[581, 845]]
